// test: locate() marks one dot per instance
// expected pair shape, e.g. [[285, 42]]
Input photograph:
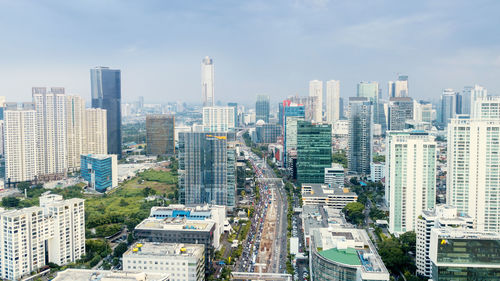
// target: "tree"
[[340, 157], [120, 249], [391, 253], [378, 158], [354, 212], [130, 238], [23, 185], [10, 202], [408, 241], [123, 203]]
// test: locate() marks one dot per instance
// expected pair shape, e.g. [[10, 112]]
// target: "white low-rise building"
[[334, 176], [321, 194], [182, 262], [377, 171], [73, 274]]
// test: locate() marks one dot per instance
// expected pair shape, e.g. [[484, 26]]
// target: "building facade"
[[107, 94], [100, 171], [207, 81], [75, 129], [218, 118], [399, 88], [160, 135], [450, 106], [314, 151], [334, 176], [400, 111], [360, 135], [262, 108], [316, 90], [95, 139], [332, 101]]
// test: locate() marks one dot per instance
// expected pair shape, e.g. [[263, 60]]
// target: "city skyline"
[[417, 39]]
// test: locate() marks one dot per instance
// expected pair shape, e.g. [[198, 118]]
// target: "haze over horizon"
[[269, 47]]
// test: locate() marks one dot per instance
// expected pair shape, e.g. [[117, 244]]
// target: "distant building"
[[341, 128], [470, 95], [322, 194], [107, 94], [184, 262], [262, 108], [441, 216], [96, 132], [75, 128], [310, 104], [237, 121], [400, 111], [316, 90], [207, 81], [160, 135], [334, 176], [218, 118], [100, 171], [461, 255], [360, 135], [314, 151], [451, 105], [344, 254], [377, 171], [267, 133], [291, 113], [399, 88], [73, 274], [332, 101]]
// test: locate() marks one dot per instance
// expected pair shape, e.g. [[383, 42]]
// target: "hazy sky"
[[271, 47]]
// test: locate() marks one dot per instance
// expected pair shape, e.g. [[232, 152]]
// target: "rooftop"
[[99, 156], [322, 190], [165, 249], [175, 224], [108, 275], [466, 234], [345, 256]]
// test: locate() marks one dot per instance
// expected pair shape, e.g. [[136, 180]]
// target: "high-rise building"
[[267, 133], [20, 142], [450, 105], [469, 95], [360, 135], [236, 119], [32, 237], [334, 176], [160, 135], [314, 151], [441, 216], [461, 255], [100, 171], [370, 90], [107, 94], [423, 112], [218, 118], [95, 138], [207, 81], [75, 129], [400, 111], [207, 168], [310, 104], [52, 153], [316, 90], [411, 177], [486, 108], [332, 101], [262, 108], [472, 174], [399, 88]]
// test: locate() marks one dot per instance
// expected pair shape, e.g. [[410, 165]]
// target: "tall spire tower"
[[207, 81]]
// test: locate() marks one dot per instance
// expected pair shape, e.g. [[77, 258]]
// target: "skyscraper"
[[411, 177], [75, 128], [20, 142], [262, 108], [314, 151], [235, 106], [316, 90], [107, 94], [310, 104], [400, 111], [472, 181], [218, 118], [160, 134], [207, 81], [332, 101], [360, 135], [50, 109], [469, 95], [207, 168], [95, 140], [450, 105], [371, 90], [399, 88]]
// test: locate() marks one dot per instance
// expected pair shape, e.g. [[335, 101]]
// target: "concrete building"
[[377, 171], [100, 171], [486, 108], [472, 170], [322, 194], [96, 132], [20, 142], [400, 111], [207, 81], [442, 216], [73, 274], [360, 135], [411, 177], [344, 254], [207, 168], [32, 237], [334, 176], [316, 90], [461, 255], [310, 104], [75, 128], [314, 151], [160, 134], [218, 118], [450, 106], [341, 128], [183, 262], [399, 88], [50, 106], [423, 112], [332, 101], [262, 108], [469, 95], [267, 133]]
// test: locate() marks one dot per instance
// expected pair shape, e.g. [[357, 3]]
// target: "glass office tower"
[[262, 108], [314, 151]]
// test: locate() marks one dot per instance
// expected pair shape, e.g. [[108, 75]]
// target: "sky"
[[272, 47]]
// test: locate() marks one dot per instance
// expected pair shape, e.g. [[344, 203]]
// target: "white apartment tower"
[[411, 177], [207, 81], [20, 144], [75, 122], [473, 178], [51, 130], [470, 95], [218, 118], [440, 217], [332, 101], [35, 236], [316, 90], [95, 139]]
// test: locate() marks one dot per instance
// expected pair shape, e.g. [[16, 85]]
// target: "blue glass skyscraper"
[[107, 94]]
